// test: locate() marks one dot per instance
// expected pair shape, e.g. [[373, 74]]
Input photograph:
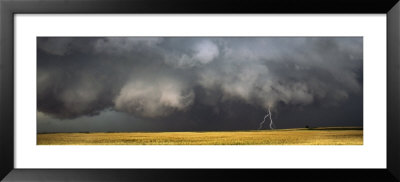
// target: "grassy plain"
[[300, 136]]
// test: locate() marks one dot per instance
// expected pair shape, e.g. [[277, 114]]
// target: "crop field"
[[300, 136]]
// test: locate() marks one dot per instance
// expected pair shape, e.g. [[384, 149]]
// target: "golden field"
[[301, 136]]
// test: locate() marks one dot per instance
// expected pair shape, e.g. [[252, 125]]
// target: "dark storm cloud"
[[204, 83]]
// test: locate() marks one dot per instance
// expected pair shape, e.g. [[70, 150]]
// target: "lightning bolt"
[[263, 121], [270, 118]]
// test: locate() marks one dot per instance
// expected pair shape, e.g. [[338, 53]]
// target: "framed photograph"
[[154, 91]]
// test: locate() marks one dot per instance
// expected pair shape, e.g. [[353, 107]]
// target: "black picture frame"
[[9, 8]]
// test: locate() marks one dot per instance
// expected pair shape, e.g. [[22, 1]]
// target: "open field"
[[300, 136]]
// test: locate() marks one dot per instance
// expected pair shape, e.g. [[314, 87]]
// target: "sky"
[[115, 84]]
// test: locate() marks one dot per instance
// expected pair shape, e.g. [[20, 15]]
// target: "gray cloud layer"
[[198, 80]]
